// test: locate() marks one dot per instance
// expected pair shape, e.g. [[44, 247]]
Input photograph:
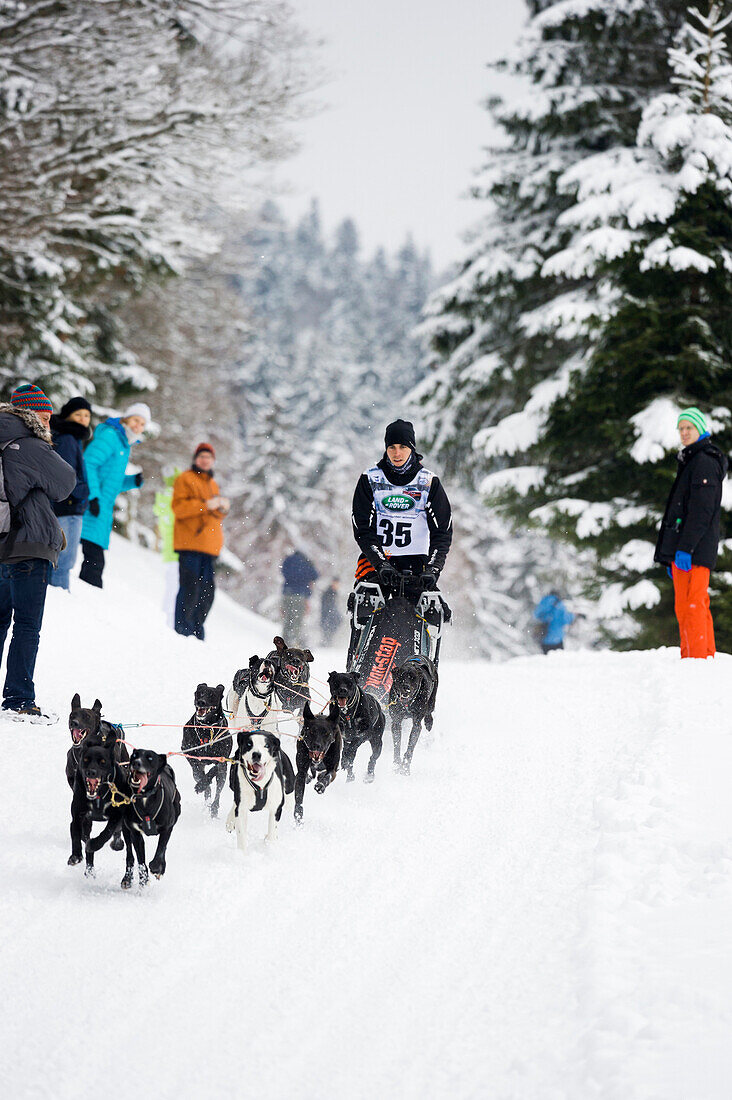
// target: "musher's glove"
[[682, 561], [428, 579], [94, 506], [388, 575]]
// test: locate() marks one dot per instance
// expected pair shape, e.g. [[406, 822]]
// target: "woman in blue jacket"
[[70, 431], [106, 460]]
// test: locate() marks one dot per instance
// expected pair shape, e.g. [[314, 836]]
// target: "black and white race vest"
[[401, 517]]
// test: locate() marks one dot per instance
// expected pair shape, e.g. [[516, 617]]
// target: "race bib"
[[401, 519]]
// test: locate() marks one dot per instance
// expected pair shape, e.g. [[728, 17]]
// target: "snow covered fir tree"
[[594, 301]]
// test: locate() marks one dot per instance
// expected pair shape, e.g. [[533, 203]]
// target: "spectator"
[[330, 616], [70, 431], [106, 460], [34, 475], [300, 574], [689, 536], [198, 537], [163, 511], [552, 611]]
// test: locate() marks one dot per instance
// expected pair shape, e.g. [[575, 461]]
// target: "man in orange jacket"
[[198, 537]]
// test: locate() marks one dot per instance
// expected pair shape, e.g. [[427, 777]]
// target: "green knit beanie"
[[696, 417]]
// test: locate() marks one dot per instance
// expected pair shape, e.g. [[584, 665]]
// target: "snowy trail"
[[527, 916]]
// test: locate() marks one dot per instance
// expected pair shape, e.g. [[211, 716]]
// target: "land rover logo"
[[398, 503]]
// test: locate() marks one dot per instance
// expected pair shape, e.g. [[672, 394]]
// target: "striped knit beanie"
[[696, 417], [31, 397]]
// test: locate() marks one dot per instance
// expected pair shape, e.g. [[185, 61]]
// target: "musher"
[[401, 515]]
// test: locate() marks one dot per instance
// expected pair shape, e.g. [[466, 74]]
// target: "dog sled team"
[[402, 524]]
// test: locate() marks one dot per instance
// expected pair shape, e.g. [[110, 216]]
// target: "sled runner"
[[388, 629]]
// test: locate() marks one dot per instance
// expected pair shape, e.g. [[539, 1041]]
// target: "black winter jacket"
[[691, 520], [68, 441], [34, 476], [439, 521]]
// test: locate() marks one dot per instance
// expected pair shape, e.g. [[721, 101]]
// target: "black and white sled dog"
[[253, 697], [205, 735], [153, 809], [318, 752], [362, 719], [293, 674], [413, 694], [87, 728], [262, 779]]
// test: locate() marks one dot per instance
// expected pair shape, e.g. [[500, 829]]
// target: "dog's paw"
[[369, 777], [73, 860], [397, 766], [319, 787], [298, 815], [213, 810], [126, 882], [144, 877], [157, 868], [349, 778], [230, 822], [116, 843], [89, 871], [404, 769]]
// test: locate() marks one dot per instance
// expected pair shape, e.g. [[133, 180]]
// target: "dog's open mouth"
[[78, 734], [264, 677], [342, 701], [256, 771], [138, 780], [92, 785], [293, 671], [317, 755], [203, 712]]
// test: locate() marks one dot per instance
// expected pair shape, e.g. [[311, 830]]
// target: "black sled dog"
[[87, 727], [261, 779], [362, 719], [293, 674], [318, 752], [100, 787], [413, 694], [205, 735], [152, 810]]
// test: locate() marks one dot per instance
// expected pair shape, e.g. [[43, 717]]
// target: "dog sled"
[[389, 628]]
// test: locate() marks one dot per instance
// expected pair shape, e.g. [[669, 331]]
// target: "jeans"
[[71, 527], [22, 597], [92, 566], [196, 592]]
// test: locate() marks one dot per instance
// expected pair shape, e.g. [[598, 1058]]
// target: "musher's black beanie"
[[400, 431]]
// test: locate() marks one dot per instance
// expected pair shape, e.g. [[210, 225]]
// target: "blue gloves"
[[670, 572], [682, 561]]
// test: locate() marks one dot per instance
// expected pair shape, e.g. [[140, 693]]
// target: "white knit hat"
[[138, 409]]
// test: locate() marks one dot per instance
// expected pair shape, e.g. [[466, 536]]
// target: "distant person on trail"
[[163, 512], [552, 611], [689, 536], [34, 475], [299, 576], [198, 538], [70, 431], [401, 516], [330, 616], [106, 460]]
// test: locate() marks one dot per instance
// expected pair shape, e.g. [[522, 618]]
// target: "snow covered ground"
[[540, 912]]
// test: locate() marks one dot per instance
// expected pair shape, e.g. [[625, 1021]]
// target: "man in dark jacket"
[[689, 536], [401, 515], [299, 575], [34, 475]]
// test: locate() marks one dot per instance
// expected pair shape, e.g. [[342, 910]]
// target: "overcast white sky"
[[403, 128]]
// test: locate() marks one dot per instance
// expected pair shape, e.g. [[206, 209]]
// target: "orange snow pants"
[[691, 604]]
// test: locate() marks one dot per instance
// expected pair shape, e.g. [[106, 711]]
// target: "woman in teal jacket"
[[106, 460]]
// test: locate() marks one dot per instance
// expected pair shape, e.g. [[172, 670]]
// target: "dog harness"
[[260, 793], [401, 513], [147, 821]]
